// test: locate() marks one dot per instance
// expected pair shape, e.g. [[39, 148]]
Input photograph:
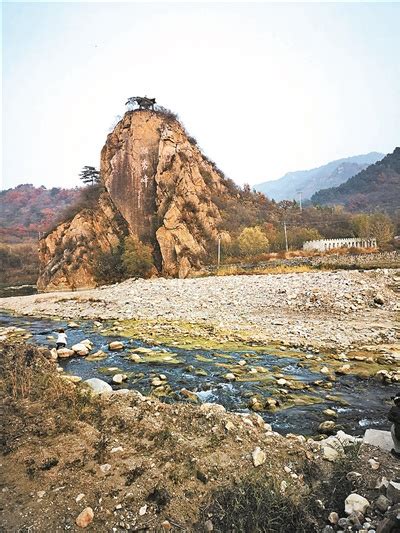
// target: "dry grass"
[[235, 270], [28, 377]]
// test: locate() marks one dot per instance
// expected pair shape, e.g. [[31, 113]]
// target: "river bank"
[[128, 462], [323, 310]]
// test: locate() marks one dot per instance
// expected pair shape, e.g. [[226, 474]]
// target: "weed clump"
[[259, 506]]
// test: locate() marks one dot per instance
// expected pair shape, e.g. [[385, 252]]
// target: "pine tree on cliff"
[[89, 175]]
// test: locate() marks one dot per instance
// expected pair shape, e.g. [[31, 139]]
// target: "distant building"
[[328, 244]]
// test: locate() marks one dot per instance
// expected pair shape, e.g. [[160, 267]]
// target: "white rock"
[[80, 349], [117, 449], [355, 502], [79, 497], [98, 386], [105, 468], [41, 493], [229, 376], [142, 510], [71, 379], [373, 464], [379, 438], [259, 457], [88, 343], [329, 454], [73, 325], [157, 382], [65, 352], [119, 378]]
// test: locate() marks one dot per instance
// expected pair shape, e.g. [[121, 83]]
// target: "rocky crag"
[[158, 187]]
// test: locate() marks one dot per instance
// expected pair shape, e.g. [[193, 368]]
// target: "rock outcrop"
[[67, 253], [158, 187]]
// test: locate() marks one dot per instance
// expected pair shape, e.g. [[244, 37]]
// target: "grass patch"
[[30, 389], [260, 507]]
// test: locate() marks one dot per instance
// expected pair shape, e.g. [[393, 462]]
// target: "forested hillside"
[[25, 210], [377, 188]]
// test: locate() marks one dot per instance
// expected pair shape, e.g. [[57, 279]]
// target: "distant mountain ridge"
[[310, 181], [375, 188]]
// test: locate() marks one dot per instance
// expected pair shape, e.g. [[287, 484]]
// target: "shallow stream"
[[360, 403]]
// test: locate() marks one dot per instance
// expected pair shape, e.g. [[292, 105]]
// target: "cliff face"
[[67, 254], [158, 182]]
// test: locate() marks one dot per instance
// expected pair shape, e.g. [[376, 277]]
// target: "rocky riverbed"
[[323, 310]]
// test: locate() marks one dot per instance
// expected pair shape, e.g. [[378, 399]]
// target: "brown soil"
[[173, 457]]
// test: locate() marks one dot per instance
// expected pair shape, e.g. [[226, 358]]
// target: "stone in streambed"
[[190, 395], [80, 349], [97, 356], [327, 427], [119, 378], [65, 352], [115, 345]]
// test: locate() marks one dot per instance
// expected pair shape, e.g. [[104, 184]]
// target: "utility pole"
[[286, 241], [300, 192]]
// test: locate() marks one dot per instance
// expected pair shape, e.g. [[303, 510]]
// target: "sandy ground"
[[320, 309]]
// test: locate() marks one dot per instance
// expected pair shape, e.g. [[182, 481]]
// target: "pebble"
[[373, 464], [333, 518], [142, 510], [79, 497], [85, 517], [354, 502], [208, 525], [117, 449], [105, 468]]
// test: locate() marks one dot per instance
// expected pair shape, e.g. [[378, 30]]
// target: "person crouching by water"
[[61, 339], [394, 416]]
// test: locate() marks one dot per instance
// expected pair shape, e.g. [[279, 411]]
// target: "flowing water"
[[360, 403]]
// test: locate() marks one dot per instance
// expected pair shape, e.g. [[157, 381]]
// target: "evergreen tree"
[[89, 175]]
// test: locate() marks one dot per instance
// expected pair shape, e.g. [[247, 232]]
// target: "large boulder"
[[65, 353], [98, 386], [80, 349], [379, 438]]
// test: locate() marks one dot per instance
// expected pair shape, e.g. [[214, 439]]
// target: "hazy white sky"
[[265, 88]]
